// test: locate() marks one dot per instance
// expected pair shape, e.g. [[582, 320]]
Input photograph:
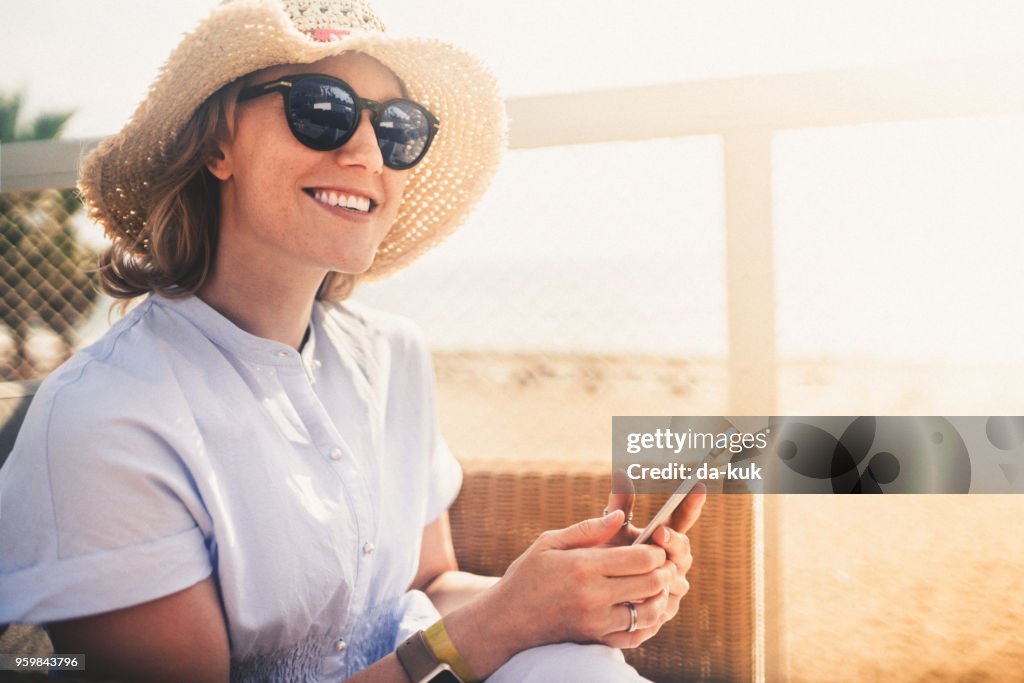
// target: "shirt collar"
[[230, 337]]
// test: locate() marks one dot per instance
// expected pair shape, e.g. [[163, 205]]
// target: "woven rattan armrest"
[[503, 506]]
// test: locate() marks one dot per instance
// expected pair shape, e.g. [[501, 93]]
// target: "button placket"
[[346, 464], [312, 370]]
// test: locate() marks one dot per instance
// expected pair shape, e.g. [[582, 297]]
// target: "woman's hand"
[[570, 585], [653, 613]]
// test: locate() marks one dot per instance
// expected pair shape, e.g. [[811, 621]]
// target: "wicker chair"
[[502, 508]]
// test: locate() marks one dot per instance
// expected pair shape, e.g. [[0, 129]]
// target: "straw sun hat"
[[242, 36]]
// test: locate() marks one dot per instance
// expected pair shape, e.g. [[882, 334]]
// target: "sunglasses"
[[324, 112]]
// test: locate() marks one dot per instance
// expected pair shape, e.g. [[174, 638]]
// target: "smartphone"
[[676, 498], [663, 514]]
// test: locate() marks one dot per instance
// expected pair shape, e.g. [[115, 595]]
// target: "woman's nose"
[[362, 149]]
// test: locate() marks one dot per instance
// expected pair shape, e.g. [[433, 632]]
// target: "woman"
[[244, 477]]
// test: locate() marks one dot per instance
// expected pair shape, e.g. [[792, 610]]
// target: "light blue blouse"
[[179, 445]]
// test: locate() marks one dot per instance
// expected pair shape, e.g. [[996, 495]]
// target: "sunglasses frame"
[[285, 84]]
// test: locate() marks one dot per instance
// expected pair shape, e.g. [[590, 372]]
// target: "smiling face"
[[293, 213]]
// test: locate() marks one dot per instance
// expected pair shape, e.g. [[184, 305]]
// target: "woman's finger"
[[587, 533], [686, 515], [650, 615], [677, 547], [626, 641], [627, 560], [645, 587], [678, 587], [622, 497]]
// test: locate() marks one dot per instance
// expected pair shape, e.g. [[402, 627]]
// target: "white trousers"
[[557, 663], [567, 663]]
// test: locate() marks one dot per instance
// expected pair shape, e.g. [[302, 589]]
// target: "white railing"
[[746, 112]]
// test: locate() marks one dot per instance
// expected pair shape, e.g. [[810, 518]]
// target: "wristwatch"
[[420, 663]]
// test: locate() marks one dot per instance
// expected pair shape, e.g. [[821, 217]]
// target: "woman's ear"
[[219, 162], [218, 158]]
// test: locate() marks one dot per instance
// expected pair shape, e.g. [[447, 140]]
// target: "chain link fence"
[[47, 279]]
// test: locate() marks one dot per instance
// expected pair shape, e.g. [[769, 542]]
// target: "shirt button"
[[340, 645], [368, 548], [316, 365], [281, 354], [336, 453]]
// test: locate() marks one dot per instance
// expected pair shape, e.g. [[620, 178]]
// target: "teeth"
[[358, 203], [354, 202]]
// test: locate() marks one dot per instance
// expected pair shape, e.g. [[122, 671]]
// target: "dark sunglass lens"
[[321, 113], [403, 133]]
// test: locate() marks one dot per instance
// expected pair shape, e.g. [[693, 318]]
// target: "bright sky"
[[898, 239], [99, 56]]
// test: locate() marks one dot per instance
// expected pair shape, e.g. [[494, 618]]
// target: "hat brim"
[[243, 37]]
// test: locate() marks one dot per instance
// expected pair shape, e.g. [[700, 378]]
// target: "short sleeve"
[[98, 511], [445, 479], [445, 471]]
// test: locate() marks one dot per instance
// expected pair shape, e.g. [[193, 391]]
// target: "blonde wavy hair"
[[174, 254]]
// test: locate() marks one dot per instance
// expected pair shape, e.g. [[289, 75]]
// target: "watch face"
[[445, 677]]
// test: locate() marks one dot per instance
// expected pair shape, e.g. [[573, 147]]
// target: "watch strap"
[[444, 650]]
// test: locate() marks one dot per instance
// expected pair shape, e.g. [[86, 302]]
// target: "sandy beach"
[[905, 588]]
